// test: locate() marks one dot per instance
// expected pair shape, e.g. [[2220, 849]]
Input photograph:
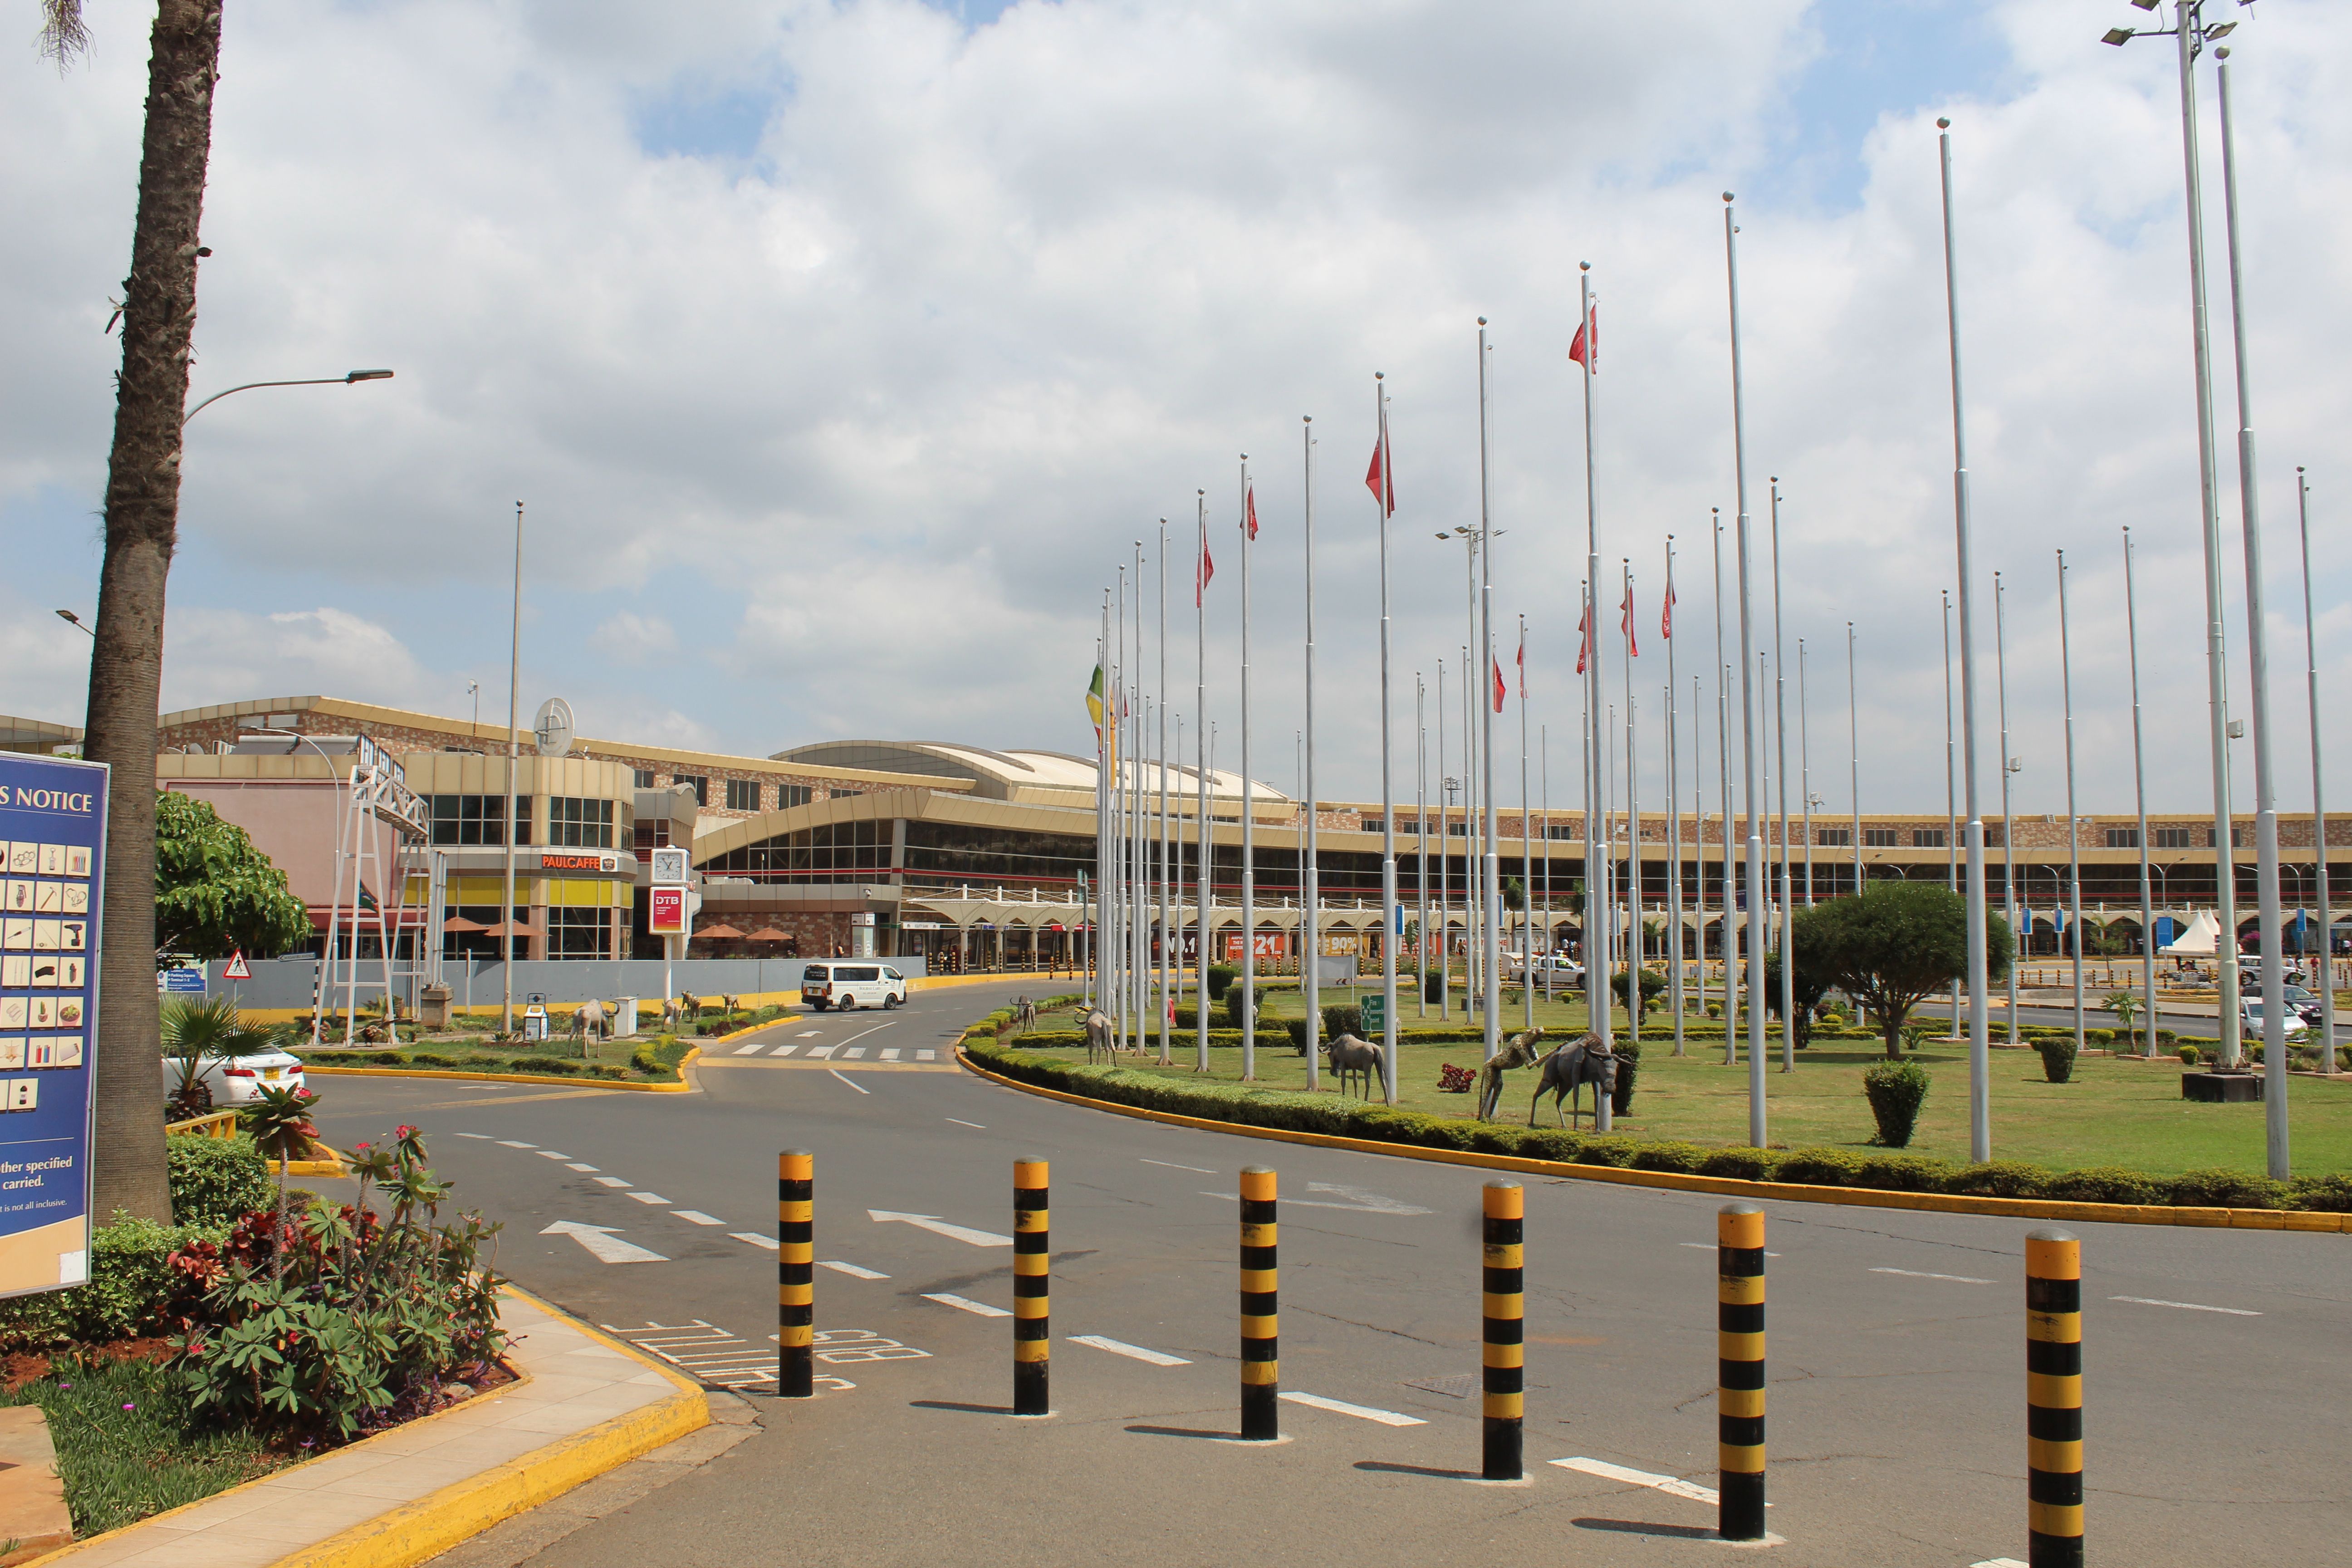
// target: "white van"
[[843, 987]]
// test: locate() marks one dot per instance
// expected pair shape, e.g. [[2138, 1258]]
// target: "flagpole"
[[1805, 772], [1780, 763], [2074, 820], [2326, 971], [1103, 745], [1167, 933], [2009, 767], [1597, 908], [1726, 893], [1979, 1041], [2139, 793], [1635, 953], [1444, 863], [1591, 805], [1750, 754], [1386, 500], [2258, 689], [1543, 760], [1309, 949], [1527, 850], [1421, 855], [1853, 764], [1249, 813], [1139, 895], [1674, 808], [1203, 853], [1698, 832], [1117, 948]]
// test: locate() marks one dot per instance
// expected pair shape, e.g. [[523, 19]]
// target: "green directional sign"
[[1376, 1015]]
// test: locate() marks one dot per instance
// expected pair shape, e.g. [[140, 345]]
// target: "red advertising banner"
[[667, 913]]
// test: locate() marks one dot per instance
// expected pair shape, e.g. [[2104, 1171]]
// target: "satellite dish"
[[554, 727]]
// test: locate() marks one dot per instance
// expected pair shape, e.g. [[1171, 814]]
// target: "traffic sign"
[[1376, 1015], [238, 968]]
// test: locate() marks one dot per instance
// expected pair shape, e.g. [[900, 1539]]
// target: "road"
[[2216, 1377]]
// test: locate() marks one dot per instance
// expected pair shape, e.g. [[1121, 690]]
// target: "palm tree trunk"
[[143, 502]]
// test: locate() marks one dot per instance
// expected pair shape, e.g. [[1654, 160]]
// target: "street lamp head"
[[2147, 5], [367, 375], [69, 616], [2119, 37], [2222, 30]]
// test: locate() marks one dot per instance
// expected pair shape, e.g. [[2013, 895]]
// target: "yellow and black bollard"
[[1033, 1344], [1739, 1371], [2053, 1399], [1505, 1331], [1261, 1322], [795, 1273]]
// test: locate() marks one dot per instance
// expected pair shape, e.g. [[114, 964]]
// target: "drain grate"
[[1462, 1385]]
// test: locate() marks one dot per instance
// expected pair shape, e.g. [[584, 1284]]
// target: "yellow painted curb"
[[432, 1524], [575, 1081], [738, 1033], [306, 1168], [1729, 1186]]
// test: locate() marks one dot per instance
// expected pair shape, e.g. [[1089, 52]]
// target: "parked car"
[[843, 987], [2250, 1017], [1562, 969], [2305, 1005], [236, 1081]]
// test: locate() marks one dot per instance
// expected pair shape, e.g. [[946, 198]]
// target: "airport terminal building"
[[966, 855]]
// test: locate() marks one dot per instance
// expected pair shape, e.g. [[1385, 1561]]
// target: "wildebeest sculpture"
[[1352, 1058], [1521, 1050], [1098, 1036], [1566, 1073], [1025, 1015]]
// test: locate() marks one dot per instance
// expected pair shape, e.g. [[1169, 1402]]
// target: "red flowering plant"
[[331, 1322]]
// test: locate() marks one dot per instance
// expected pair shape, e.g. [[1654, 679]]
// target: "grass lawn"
[[2116, 1111], [610, 1059], [127, 1446]]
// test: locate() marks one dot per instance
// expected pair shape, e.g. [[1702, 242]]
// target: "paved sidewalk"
[[582, 1407]]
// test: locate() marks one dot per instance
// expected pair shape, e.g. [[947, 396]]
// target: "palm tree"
[[142, 504], [195, 1033]]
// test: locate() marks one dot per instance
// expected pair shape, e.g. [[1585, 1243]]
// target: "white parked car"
[[2250, 1017], [1563, 970], [843, 987], [236, 1081]]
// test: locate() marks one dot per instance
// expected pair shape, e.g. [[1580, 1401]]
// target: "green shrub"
[[1820, 1167], [1669, 1155], [2057, 1058], [2331, 1193], [2105, 1185], [2099, 1036], [1221, 978], [1740, 1164], [131, 1287], [1629, 1067], [2228, 1190], [215, 1181], [1608, 1149], [1432, 983], [1895, 1091], [1902, 1173], [1997, 1179], [2188, 1056], [1297, 1029], [1343, 1018], [1236, 999], [1550, 1143]]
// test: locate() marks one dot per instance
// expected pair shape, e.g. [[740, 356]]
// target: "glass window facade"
[[645, 778], [790, 796], [2123, 838], [1928, 839], [1879, 838], [1843, 835], [579, 933], [576, 824], [2172, 837], [743, 794], [473, 819], [699, 784], [817, 854]]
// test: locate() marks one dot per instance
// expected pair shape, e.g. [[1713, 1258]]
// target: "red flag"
[[1500, 689], [1588, 359], [1201, 578], [1249, 509], [1666, 616], [1523, 661], [1632, 648], [1583, 637], [1377, 479]]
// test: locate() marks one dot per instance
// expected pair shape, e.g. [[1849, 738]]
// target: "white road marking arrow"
[[938, 1227], [601, 1242]]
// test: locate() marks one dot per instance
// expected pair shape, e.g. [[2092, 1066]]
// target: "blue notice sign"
[[180, 981], [53, 830]]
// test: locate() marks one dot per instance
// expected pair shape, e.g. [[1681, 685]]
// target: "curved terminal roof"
[[1017, 775]]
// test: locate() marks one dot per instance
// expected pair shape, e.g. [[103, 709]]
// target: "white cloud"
[[866, 419]]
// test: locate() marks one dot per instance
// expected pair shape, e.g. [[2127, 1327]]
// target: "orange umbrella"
[[769, 933], [460, 923], [720, 932]]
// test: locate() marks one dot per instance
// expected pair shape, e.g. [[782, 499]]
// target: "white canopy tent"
[[2201, 939]]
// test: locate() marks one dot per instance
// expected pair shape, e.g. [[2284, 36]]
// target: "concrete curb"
[[415, 1531], [680, 1087], [1673, 1180], [411, 1532]]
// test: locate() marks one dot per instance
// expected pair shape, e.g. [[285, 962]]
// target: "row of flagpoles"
[[1131, 873]]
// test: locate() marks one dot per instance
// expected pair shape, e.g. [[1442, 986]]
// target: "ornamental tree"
[[215, 893], [1894, 945]]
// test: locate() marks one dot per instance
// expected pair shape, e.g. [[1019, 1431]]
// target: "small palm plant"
[[278, 1122], [195, 1033], [2126, 1007]]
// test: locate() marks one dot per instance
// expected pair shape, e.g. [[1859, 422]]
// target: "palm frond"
[[63, 34]]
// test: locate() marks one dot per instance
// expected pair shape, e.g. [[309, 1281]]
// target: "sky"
[[839, 355]]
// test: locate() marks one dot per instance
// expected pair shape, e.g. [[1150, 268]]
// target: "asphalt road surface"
[[2216, 1381]]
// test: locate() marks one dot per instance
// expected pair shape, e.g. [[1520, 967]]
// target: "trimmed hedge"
[[216, 1181], [1249, 1106], [130, 1284]]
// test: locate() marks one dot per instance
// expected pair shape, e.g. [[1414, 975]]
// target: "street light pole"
[[1750, 754], [2073, 818], [506, 914], [2139, 795], [2327, 975], [349, 378]]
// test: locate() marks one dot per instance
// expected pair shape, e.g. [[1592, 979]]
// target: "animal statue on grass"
[[1521, 1050], [1024, 1014], [1352, 1058], [1566, 1073], [590, 1021], [690, 1006], [1098, 1036]]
